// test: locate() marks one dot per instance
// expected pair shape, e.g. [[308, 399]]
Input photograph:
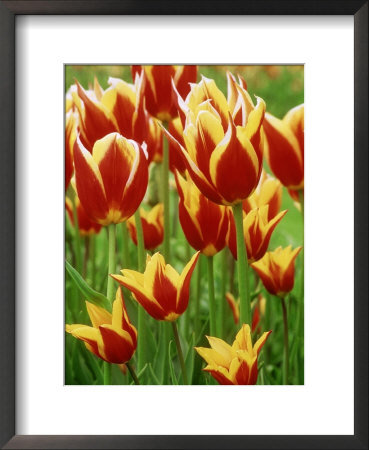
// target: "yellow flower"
[[236, 364]]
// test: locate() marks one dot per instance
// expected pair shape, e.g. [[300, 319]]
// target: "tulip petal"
[[260, 342], [295, 120], [234, 166], [96, 122], [144, 298], [89, 184], [220, 374], [184, 284], [223, 349], [117, 347], [98, 315], [284, 153]]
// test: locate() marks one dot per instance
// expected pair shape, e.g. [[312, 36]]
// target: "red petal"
[[90, 191]]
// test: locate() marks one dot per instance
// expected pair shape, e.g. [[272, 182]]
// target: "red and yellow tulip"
[[94, 120], [152, 226], [277, 270], [268, 192], [111, 182], [257, 230], [285, 147], [222, 140], [159, 98], [119, 108], [204, 223], [86, 226], [112, 337], [236, 364], [161, 291]]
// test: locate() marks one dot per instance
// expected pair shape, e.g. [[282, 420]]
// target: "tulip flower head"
[[257, 231], [111, 182], [277, 270], [285, 149], [222, 149], [204, 223], [160, 290], [152, 226], [94, 120], [268, 192], [112, 337], [85, 225], [160, 101], [233, 364]]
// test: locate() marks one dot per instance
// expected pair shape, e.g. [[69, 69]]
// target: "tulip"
[[285, 149], [119, 108], [236, 364], [111, 182], [277, 270], [125, 102], [160, 101], [112, 337], [222, 148], [70, 137], [152, 226], [268, 192], [257, 232], [161, 291], [204, 223], [95, 121], [259, 309], [86, 226]]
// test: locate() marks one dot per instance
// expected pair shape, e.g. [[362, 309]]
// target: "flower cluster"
[[180, 160]]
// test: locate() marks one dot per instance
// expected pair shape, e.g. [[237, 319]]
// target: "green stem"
[[107, 373], [242, 266], [221, 305], [285, 348], [125, 251], [111, 265], [86, 256], [165, 193], [110, 288], [141, 345], [93, 262], [179, 353], [77, 239], [299, 332], [197, 297], [213, 331], [132, 372]]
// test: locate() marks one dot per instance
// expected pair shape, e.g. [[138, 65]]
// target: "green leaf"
[[189, 359], [161, 356], [200, 336], [92, 295], [154, 378], [171, 368]]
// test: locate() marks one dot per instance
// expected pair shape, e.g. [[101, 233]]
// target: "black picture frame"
[[8, 12]]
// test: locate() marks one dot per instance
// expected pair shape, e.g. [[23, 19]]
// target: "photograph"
[[184, 224]]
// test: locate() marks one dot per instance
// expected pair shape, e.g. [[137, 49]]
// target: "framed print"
[[107, 91]]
